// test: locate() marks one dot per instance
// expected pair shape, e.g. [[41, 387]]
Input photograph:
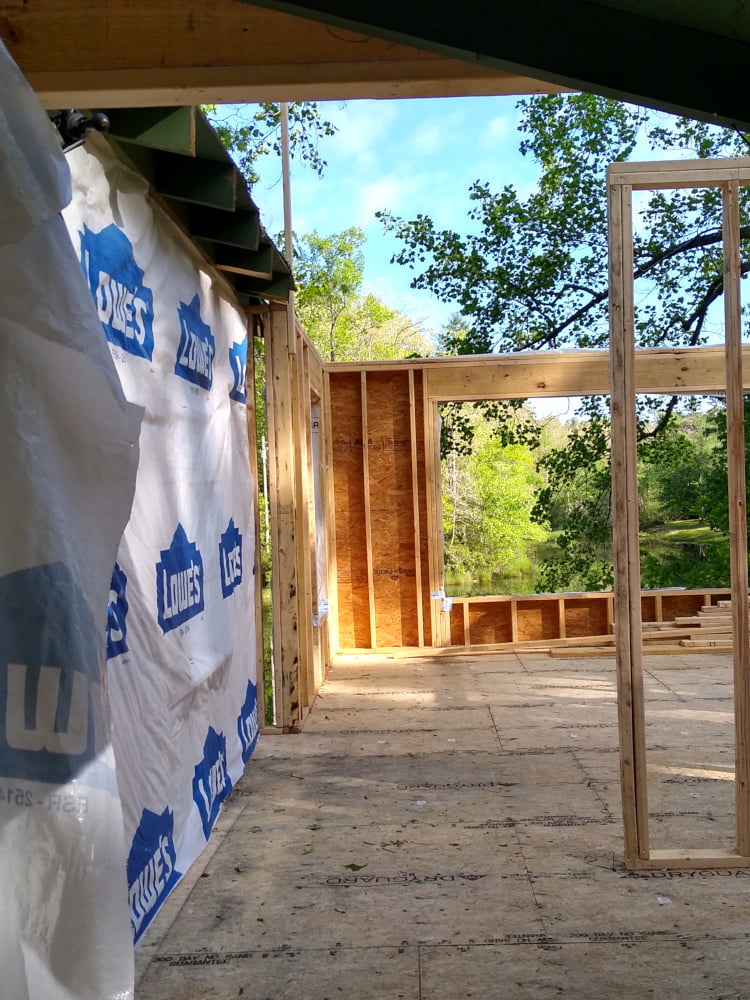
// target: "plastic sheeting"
[[180, 636], [68, 452]]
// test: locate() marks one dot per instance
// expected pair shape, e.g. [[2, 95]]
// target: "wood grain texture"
[[349, 511], [216, 51]]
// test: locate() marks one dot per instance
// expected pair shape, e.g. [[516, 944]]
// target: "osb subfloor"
[[448, 828]]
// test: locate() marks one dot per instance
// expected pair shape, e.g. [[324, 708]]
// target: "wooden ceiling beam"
[[540, 374], [668, 371], [77, 53]]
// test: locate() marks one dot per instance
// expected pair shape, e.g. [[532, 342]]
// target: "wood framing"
[[283, 502], [400, 403], [415, 506], [379, 507], [503, 621], [622, 179], [547, 374], [252, 439], [301, 419], [627, 604], [416, 386], [330, 519], [140, 54], [737, 509], [301, 646]]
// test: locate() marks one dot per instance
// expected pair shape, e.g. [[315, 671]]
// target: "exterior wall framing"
[[301, 648], [384, 522], [389, 570]]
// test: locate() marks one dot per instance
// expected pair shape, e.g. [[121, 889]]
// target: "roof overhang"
[[194, 178], [80, 53], [685, 56]]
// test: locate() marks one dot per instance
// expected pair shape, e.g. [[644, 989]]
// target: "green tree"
[[254, 131], [329, 271], [713, 494], [488, 495], [532, 274], [380, 333], [344, 323]]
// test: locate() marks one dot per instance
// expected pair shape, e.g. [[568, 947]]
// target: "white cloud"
[[427, 139], [362, 127], [498, 128], [394, 193]]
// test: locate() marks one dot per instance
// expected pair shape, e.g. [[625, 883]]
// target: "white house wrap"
[[180, 635], [68, 453]]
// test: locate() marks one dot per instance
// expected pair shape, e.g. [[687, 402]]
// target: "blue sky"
[[406, 156]]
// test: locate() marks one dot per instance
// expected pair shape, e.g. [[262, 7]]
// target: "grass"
[[683, 532]]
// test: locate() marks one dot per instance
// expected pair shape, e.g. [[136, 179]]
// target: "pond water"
[[498, 583]]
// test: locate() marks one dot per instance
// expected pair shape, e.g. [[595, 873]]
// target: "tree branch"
[[694, 243]]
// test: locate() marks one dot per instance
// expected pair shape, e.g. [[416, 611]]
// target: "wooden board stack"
[[710, 630]]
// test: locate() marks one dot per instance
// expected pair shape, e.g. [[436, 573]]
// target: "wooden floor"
[[450, 828]]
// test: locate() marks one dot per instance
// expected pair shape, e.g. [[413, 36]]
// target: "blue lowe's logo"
[[179, 582], [117, 614], [211, 783], [49, 676], [238, 364], [124, 305], [195, 355], [230, 559], [247, 723], [151, 868]]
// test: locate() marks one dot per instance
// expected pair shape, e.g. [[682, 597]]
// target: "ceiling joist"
[[191, 172]]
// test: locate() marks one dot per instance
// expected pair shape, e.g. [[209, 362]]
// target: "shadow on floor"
[[450, 828]]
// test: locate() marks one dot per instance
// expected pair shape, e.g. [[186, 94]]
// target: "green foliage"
[[535, 273], [510, 420], [575, 500], [532, 274], [713, 495], [487, 499], [254, 131], [344, 323]]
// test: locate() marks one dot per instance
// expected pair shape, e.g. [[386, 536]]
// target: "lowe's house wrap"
[[68, 451], [180, 629]]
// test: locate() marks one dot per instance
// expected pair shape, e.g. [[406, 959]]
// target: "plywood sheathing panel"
[[408, 862], [392, 509], [584, 617], [538, 620], [349, 511], [222, 51], [648, 608], [458, 632], [674, 606], [490, 623]]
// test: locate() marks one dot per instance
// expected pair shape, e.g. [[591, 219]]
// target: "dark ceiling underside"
[[192, 174], [691, 57]]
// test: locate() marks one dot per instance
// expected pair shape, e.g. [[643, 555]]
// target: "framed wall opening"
[[727, 176], [384, 417]]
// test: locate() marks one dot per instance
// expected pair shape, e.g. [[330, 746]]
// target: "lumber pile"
[[708, 631]]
